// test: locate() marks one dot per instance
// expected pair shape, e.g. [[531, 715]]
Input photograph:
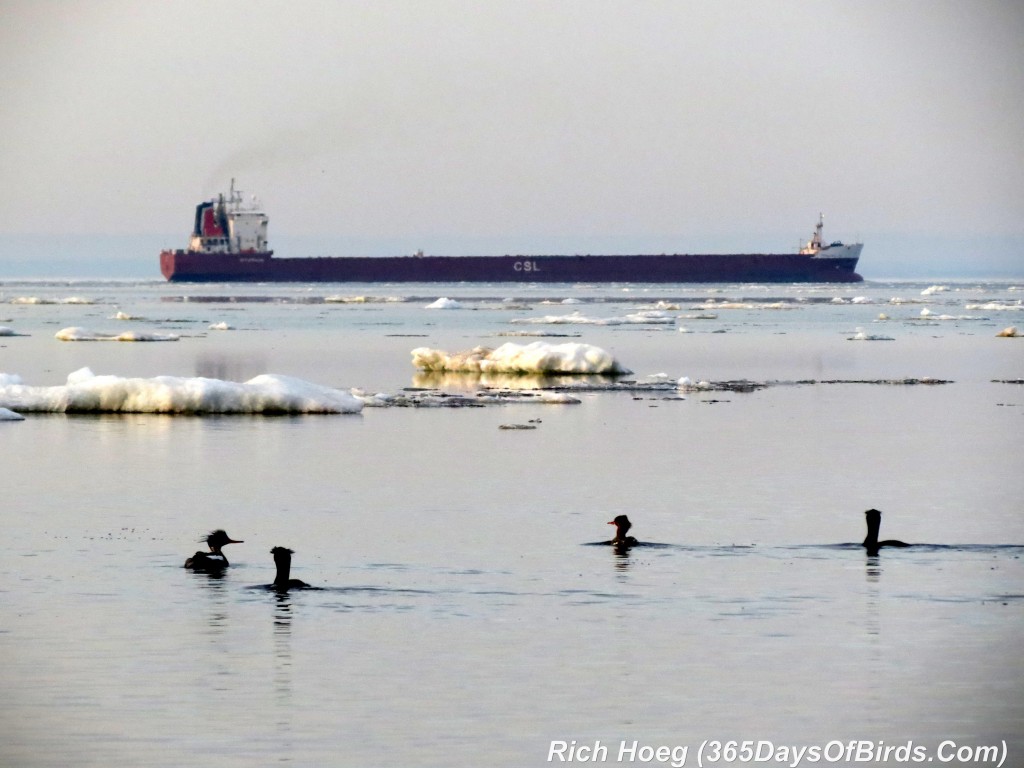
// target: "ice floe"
[[997, 306], [933, 289], [445, 303], [84, 334], [338, 299], [1009, 333], [86, 392], [861, 335], [7, 414], [712, 304], [7, 331], [477, 399], [37, 300], [221, 326], [536, 358], [927, 314], [643, 317]]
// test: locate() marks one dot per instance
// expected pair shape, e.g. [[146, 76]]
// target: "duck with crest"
[[871, 543], [213, 561], [283, 561], [622, 526]]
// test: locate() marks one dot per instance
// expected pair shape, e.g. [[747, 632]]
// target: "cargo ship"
[[229, 244]]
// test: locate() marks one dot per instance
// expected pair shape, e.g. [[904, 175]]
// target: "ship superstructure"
[[230, 224]]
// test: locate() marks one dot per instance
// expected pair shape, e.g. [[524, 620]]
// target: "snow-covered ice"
[[642, 317], [84, 334], [998, 306], [30, 300], [861, 335], [536, 358], [87, 392], [445, 303]]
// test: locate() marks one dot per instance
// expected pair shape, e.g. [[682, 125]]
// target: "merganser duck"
[[214, 560], [871, 543], [283, 561], [622, 526]]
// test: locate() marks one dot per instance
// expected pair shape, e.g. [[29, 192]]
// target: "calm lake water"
[[460, 617]]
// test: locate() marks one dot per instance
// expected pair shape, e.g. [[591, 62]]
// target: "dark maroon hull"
[[184, 266]]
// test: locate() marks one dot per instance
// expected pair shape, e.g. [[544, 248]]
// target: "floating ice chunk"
[[574, 318], [1009, 333], [445, 303], [933, 289], [882, 316], [340, 299], [686, 384], [37, 300], [8, 415], [558, 398], [860, 300], [136, 336], [998, 306], [86, 392], [84, 334], [119, 315], [644, 317], [571, 300], [5, 331], [712, 304], [221, 326], [931, 316], [650, 316], [537, 357], [379, 400], [860, 335]]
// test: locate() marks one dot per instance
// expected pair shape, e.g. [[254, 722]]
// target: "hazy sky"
[[522, 125]]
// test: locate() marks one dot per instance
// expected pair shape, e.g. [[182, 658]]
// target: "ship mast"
[[816, 240], [815, 243]]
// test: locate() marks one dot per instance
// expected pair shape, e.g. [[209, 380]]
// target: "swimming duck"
[[214, 560], [283, 561], [622, 526], [871, 543]]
